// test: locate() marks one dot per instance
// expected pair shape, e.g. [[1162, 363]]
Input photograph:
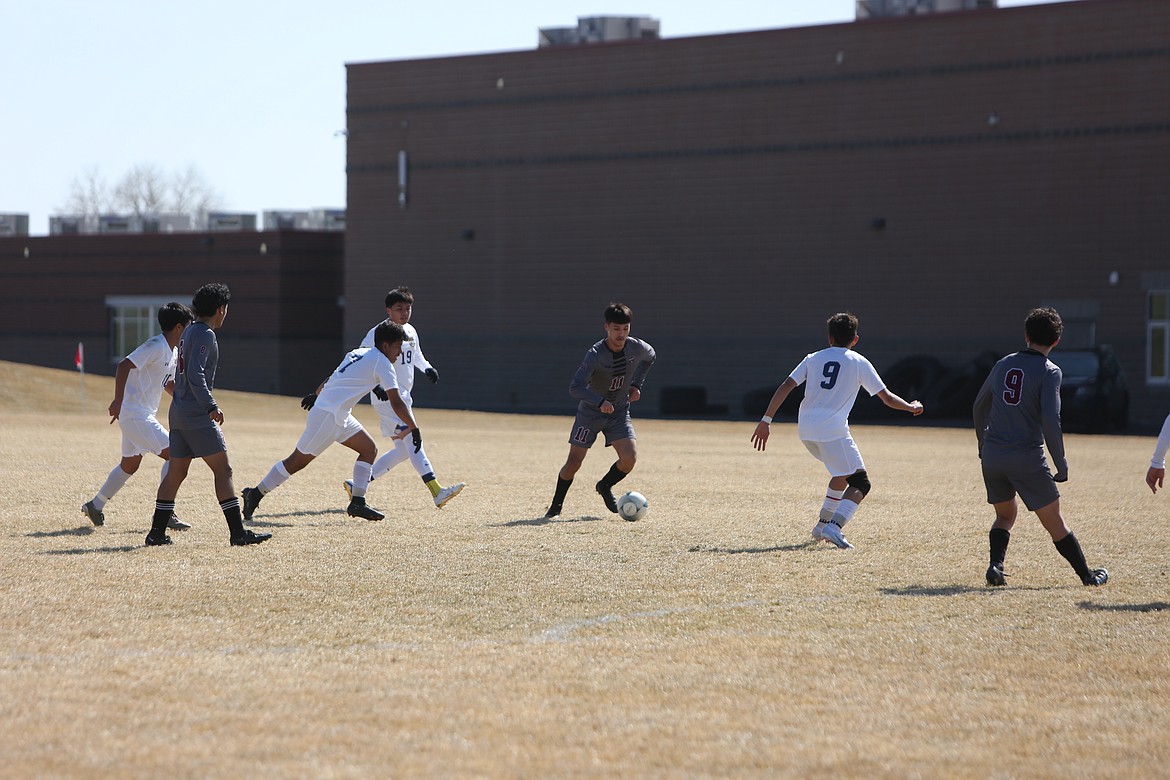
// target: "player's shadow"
[[92, 550], [1153, 606], [84, 530], [547, 521], [931, 590], [755, 550], [268, 520]]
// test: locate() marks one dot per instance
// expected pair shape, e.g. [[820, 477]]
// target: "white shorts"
[[322, 430], [140, 436], [840, 456], [390, 424]]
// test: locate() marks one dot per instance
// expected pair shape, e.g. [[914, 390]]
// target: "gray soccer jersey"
[[605, 375], [1018, 408], [195, 377]]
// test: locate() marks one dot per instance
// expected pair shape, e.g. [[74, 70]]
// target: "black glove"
[[1060, 476], [416, 437], [308, 401], [432, 375], [380, 393]]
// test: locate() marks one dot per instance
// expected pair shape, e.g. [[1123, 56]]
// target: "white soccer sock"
[[361, 478], [845, 511], [276, 477], [419, 459], [390, 459], [113, 484], [832, 501]]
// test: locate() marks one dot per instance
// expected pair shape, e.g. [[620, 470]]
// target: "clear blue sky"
[[253, 93]]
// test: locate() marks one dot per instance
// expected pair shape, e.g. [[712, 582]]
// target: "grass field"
[[710, 639]]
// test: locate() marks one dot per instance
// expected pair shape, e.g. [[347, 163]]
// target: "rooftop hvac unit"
[[329, 219], [13, 224], [167, 223], [119, 223], [69, 225], [224, 221], [287, 220]]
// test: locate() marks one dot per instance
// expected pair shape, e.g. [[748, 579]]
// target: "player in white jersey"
[[399, 306], [832, 378], [1157, 471], [139, 381], [331, 419]]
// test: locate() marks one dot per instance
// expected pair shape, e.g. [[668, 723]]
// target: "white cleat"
[[832, 533], [818, 531], [446, 494]]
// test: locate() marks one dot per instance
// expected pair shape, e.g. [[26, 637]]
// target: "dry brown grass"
[[708, 640]]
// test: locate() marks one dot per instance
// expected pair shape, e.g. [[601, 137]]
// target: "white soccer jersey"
[[357, 374], [154, 366], [832, 378], [408, 362]]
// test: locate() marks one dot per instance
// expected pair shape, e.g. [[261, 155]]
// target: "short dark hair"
[[842, 329], [1043, 326], [388, 332], [172, 314], [209, 298], [399, 295], [618, 313]]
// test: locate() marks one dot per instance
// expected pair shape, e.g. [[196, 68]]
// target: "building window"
[[133, 319], [1158, 337]]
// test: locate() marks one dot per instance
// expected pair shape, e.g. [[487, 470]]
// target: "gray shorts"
[[1006, 474], [197, 442], [589, 424]]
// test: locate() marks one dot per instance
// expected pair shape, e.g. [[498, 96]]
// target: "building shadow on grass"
[[1153, 606], [547, 521], [810, 544]]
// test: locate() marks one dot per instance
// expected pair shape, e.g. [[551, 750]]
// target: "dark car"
[[1094, 395]]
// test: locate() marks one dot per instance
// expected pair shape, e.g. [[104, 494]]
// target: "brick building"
[[282, 335], [938, 175]]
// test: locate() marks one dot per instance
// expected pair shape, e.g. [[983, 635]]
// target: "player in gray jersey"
[[609, 379], [195, 420], [1017, 412]]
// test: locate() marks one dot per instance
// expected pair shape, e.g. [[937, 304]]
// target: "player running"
[[1017, 412], [139, 381], [399, 306], [331, 419], [832, 378]]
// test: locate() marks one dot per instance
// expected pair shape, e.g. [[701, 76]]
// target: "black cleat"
[[607, 496], [357, 508], [995, 575], [153, 540], [95, 515], [1096, 577], [251, 499], [553, 511], [249, 537], [175, 524]]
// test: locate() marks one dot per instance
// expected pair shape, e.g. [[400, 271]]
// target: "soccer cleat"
[[553, 511], [832, 533], [249, 537], [818, 531], [607, 496], [95, 515], [995, 575], [347, 486], [446, 494], [175, 524], [1096, 577], [251, 500], [157, 541], [357, 508]]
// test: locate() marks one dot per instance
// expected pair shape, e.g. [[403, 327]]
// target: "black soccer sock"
[[1070, 548], [999, 538], [231, 513], [162, 515], [562, 491], [614, 476]]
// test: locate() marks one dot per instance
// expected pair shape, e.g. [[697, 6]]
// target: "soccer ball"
[[633, 506]]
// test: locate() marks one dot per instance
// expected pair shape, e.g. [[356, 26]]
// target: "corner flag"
[[79, 361]]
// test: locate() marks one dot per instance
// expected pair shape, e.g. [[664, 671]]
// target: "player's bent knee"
[[860, 482]]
